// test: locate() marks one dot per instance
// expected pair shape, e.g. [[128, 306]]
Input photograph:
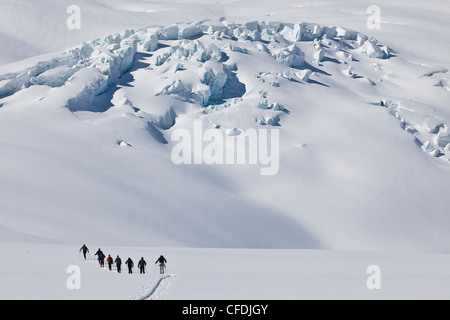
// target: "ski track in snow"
[[158, 289]]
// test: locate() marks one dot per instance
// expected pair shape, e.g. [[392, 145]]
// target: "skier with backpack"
[[110, 261], [130, 264], [85, 250], [101, 257], [162, 263], [118, 262], [141, 265]]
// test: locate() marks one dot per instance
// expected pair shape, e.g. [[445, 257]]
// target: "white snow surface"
[[86, 119], [41, 271]]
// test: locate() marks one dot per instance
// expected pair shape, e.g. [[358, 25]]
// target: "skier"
[[130, 264], [101, 257], [84, 249], [141, 265], [118, 262], [110, 261], [162, 263]]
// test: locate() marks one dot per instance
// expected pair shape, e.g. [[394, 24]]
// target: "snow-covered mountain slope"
[[362, 117]]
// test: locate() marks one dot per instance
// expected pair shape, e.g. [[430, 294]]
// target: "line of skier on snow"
[[118, 261]]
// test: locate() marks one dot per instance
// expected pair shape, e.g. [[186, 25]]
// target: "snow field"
[[33, 271]]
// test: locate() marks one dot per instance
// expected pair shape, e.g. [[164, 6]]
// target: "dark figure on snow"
[[109, 261], [141, 265], [130, 264], [118, 262], [162, 263], [85, 250], [101, 257]]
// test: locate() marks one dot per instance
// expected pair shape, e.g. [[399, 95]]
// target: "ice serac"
[[84, 86], [178, 90], [270, 27], [291, 56], [13, 82], [372, 50], [346, 34], [56, 77], [189, 31], [148, 41], [214, 75], [212, 27], [168, 33], [444, 142], [124, 56], [196, 51], [179, 31], [319, 55], [307, 31]]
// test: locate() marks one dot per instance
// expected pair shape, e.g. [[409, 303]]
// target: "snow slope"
[[348, 175], [86, 123]]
